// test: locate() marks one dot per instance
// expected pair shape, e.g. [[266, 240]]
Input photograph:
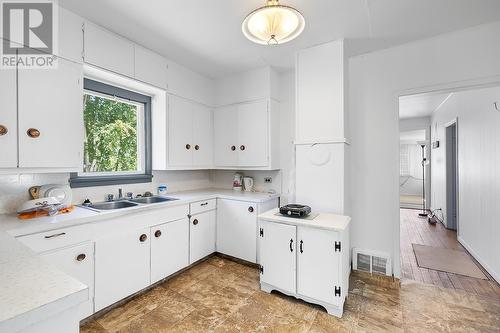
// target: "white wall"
[[478, 166], [376, 79]]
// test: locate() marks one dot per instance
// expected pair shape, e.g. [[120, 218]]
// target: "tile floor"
[[220, 295]]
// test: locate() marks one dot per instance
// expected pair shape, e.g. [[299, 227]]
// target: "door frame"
[[447, 125]]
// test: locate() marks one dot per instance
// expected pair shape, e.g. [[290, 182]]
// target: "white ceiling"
[[422, 105], [205, 35]]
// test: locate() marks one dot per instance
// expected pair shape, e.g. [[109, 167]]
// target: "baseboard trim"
[[469, 249]]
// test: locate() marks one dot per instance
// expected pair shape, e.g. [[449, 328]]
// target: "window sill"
[[88, 181]]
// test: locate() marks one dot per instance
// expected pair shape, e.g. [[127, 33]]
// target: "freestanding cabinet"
[[306, 258]]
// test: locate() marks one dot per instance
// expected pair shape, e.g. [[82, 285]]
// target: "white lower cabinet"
[[122, 266], [78, 262], [202, 235], [169, 248]]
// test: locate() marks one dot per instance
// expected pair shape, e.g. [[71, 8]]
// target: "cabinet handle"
[[291, 245], [143, 238], [301, 250], [157, 233], [81, 257], [242, 147], [3, 130], [188, 146], [33, 133], [233, 148], [197, 147], [55, 235], [250, 209], [204, 204], [195, 221]]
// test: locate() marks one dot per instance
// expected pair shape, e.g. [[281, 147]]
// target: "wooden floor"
[[417, 230]]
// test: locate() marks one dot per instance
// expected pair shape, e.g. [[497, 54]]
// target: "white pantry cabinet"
[[107, 50], [150, 67], [8, 118], [122, 265], [78, 262], [246, 134], [50, 117], [202, 235], [189, 134], [169, 248]]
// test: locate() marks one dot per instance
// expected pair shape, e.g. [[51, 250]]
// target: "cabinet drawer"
[[49, 240], [202, 206]]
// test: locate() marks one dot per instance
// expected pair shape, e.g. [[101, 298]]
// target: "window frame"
[[146, 176]]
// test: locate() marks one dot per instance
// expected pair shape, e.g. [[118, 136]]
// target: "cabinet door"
[[202, 236], [78, 262], [277, 255], [202, 136], [318, 265], [150, 67], [51, 102], [122, 266], [237, 229], [226, 136], [8, 118], [253, 132], [180, 132], [169, 248], [107, 50]]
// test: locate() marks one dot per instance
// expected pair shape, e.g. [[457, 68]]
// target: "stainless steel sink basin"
[[150, 200], [112, 205]]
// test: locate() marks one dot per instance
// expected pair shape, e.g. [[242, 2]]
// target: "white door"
[[8, 118], [237, 229], [226, 136], [169, 248], [202, 235], [122, 266], [78, 262], [253, 132], [51, 117], [318, 265], [202, 136], [277, 255], [180, 131]]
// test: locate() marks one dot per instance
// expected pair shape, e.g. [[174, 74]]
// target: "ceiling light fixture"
[[273, 24]]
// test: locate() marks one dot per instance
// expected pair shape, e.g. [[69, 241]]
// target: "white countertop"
[[31, 289], [321, 221]]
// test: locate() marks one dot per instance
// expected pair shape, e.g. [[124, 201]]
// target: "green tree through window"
[[111, 135]]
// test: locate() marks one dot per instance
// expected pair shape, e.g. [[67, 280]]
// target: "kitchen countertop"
[[32, 290], [321, 221]]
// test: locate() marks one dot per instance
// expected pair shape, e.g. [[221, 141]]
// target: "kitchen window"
[[117, 146]]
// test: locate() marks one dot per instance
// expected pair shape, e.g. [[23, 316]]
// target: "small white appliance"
[[248, 184], [237, 182]]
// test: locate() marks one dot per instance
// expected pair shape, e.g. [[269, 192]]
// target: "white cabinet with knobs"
[[202, 235], [308, 259], [8, 118], [169, 248]]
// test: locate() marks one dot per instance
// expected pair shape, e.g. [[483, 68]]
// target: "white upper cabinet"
[[253, 134], [320, 93], [70, 36], [107, 50], [8, 118], [150, 67], [50, 117], [226, 136], [189, 134], [184, 82]]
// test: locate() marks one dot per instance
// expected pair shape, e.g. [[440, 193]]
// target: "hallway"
[[416, 230]]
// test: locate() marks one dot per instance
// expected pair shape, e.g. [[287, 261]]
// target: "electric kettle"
[[248, 184]]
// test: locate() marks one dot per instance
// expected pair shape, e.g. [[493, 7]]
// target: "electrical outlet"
[[268, 180]]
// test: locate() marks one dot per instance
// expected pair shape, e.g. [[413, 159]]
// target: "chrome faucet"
[[120, 194]]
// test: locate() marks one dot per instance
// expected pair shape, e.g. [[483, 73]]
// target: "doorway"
[[451, 176]]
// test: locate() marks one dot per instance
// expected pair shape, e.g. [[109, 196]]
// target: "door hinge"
[[261, 269], [337, 291], [338, 246], [261, 232]]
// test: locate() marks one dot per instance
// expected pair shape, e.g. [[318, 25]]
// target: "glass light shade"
[[273, 24]]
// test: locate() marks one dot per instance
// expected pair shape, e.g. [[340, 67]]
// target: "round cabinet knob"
[[233, 148], [157, 233], [188, 146], [197, 147], [195, 221], [143, 237], [33, 133], [250, 209], [242, 147], [3, 130], [81, 257]]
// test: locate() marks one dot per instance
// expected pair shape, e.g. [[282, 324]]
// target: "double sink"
[[119, 204]]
